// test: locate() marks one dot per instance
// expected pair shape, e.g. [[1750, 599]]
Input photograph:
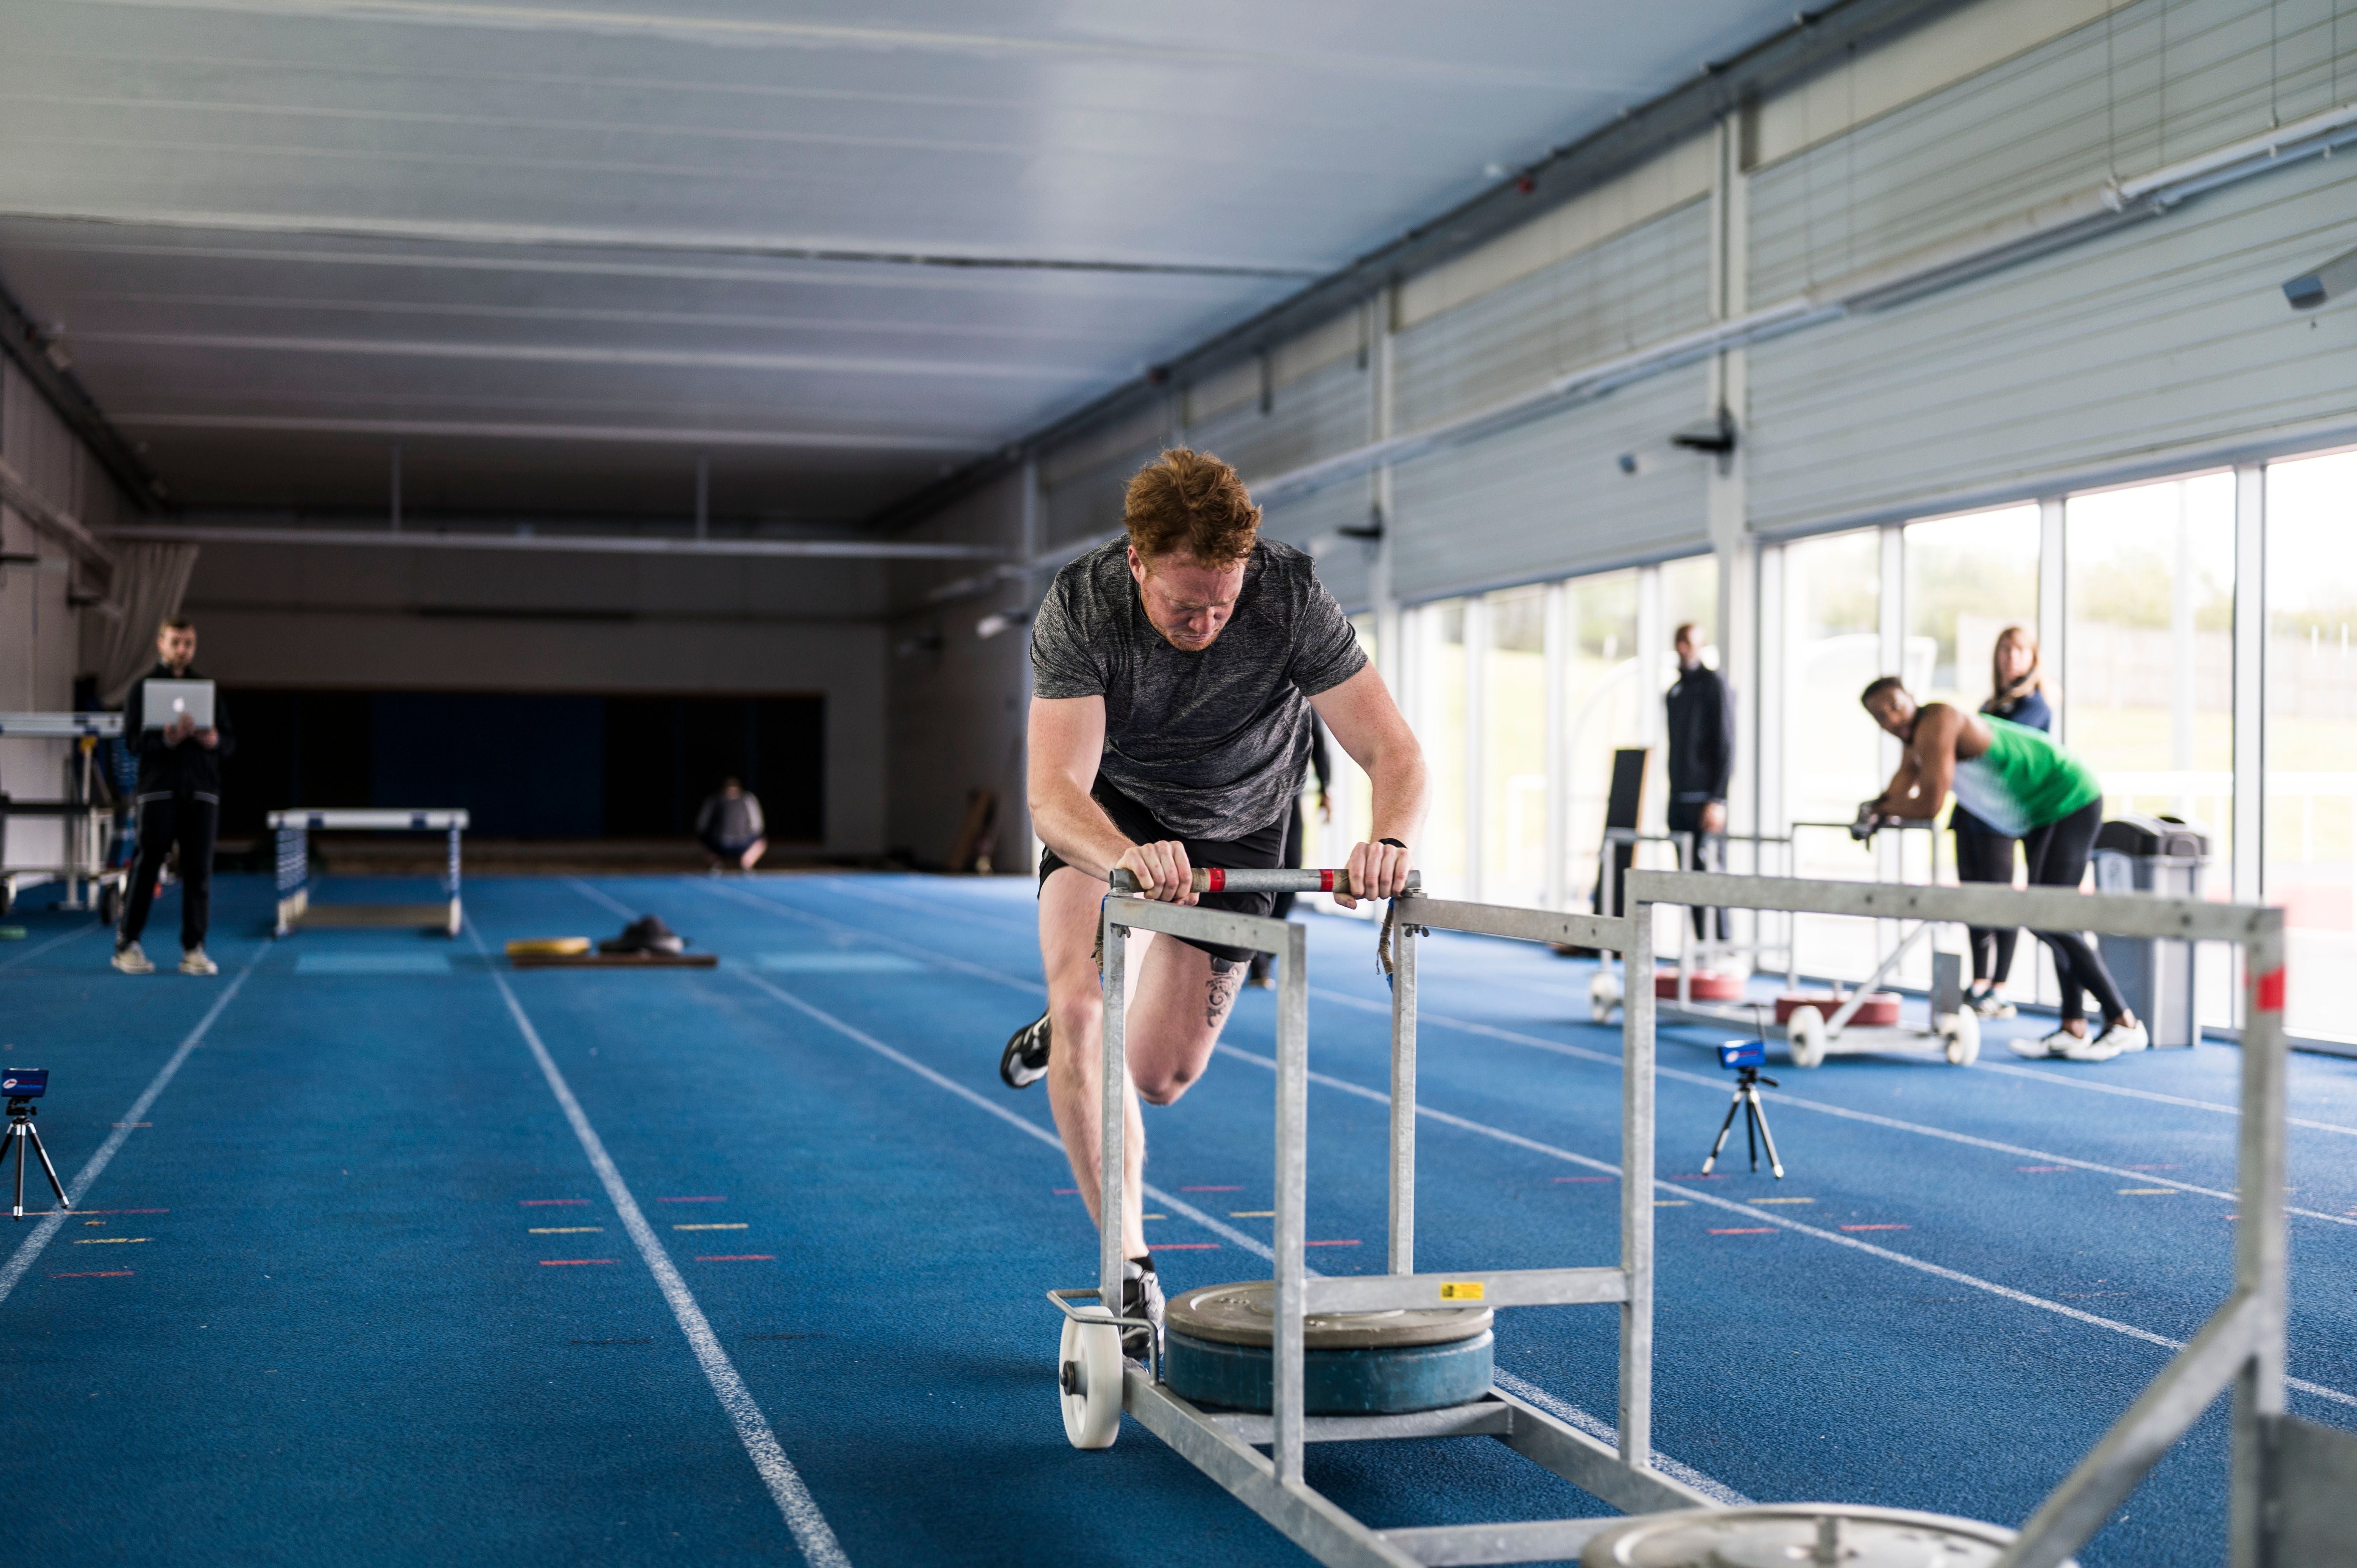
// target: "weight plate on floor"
[[1389, 1380], [1783, 1534], [1245, 1314]]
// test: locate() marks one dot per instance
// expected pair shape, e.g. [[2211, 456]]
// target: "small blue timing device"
[[24, 1082], [1742, 1053]]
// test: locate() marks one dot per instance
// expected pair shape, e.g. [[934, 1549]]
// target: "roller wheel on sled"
[[1960, 1037], [1089, 1379], [1603, 996], [1804, 1035]]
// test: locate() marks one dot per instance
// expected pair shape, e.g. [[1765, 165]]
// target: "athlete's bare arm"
[[1920, 788], [1369, 726], [1067, 740]]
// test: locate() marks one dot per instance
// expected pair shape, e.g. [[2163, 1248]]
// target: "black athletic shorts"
[[1263, 850]]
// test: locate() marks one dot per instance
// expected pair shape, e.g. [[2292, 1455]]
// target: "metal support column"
[[1402, 1250], [1113, 1101], [2259, 1245], [1636, 1413], [1292, 1202]]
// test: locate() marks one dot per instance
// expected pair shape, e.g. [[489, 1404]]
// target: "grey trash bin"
[[2137, 853]]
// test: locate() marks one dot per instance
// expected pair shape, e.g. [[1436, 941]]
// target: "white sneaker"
[[194, 962], [2103, 1047], [2054, 1045], [2125, 1038], [1989, 1004], [132, 959]]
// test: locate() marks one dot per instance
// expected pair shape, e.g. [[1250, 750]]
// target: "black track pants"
[[1983, 854], [2057, 854], [192, 822]]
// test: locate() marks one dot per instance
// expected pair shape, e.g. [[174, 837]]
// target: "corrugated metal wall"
[[1314, 523], [1550, 498], [37, 445], [1329, 409]]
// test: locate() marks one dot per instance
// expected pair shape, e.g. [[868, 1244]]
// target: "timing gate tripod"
[[24, 1140], [1755, 1122]]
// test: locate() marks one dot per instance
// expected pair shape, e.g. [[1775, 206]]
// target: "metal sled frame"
[[1226, 1445], [2292, 1499]]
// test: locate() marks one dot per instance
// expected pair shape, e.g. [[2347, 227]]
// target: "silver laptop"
[[164, 702]]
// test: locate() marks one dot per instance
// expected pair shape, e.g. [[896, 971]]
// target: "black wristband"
[[1394, 842]]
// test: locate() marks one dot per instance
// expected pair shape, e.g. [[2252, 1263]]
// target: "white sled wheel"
[[1804, 1033], [1088, 1377], [1603, 996], [1960, 1037]]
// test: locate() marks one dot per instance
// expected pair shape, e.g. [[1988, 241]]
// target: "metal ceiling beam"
[[505, 430], [26, 343], [1813, 44], [565, 543]]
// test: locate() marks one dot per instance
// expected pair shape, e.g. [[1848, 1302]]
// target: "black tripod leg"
[[1724, 1128], [1760, 1115], [43, 1150], [18, 1141]]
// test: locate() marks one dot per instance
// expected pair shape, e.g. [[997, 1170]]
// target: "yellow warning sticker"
[[1460, 1290]]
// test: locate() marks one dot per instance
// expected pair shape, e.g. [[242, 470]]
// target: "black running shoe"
[[1024, 1062], [1141, 1296]]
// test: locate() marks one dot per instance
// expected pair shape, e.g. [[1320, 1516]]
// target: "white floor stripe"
[[1786, 1097], [59, 940], [1696, 1194], [597, 896], [811, 1531], [30, 1249], [1517, 1386], [2070, 1081], [929, 955]]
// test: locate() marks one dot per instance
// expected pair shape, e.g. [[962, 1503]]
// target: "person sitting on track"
[[1174, 674], [2023, 785], [729, 827]]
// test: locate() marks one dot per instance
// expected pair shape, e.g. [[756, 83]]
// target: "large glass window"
[[1968, 579], [1513, 745], [1439, 720], [2311, 735], [1832, 752], [1600, 711], [1329, 843], [2149, 680]]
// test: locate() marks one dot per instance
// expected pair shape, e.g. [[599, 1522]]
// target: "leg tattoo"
[[1221, 992]]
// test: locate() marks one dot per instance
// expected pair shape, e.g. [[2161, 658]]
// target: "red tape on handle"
[[1326, 882], [2271, 991], [1214, 879]]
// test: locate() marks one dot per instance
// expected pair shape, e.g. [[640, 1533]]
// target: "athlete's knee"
[[1164, 1086]]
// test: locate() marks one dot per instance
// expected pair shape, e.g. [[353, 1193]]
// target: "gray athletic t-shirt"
[[1215, 744]]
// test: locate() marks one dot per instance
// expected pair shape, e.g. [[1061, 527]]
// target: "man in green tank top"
[[2018, 781]]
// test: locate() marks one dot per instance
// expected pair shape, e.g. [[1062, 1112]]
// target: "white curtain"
[[118, 640]]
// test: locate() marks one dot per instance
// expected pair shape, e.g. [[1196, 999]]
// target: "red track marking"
[[1562, 1178], [690, 1200], [1698, 1176], [741, 1258], [1211, 1189], [1186, 1246], [2042, 1170], [549, 1202], [1874, 1227], [571, 1262], [2153, 1167], [1329, 1243], [117, 1211], [100, 1274], [1747, 1230], [1068, 1192]]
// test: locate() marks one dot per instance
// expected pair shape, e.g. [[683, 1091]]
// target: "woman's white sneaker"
[[2125, 1038], [2054, 1045], [194, 962], [131, 959]]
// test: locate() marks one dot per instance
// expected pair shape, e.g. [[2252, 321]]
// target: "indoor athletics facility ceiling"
[[560, 254]]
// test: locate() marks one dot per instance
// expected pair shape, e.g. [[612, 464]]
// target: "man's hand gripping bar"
[[1213, 879]]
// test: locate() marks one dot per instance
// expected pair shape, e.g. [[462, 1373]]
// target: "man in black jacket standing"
[[1702, 757], [179, 801]]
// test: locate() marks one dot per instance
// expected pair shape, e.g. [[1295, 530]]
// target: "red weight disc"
[[1703, 985], [1879, 1011]]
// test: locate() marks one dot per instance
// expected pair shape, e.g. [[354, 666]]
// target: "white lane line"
[[1571, 1413], [59, 940], [2071, 1081], [597, 896], [1786, 1097], [811, 1531], [929, 955], [1169, 1200], [29, 1249], [1767, 1216]]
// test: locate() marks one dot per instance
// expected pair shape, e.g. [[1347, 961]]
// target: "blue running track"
[[386, 1253]]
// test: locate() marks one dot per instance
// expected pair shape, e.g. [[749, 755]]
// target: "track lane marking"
[[811, 1531], [1786, 1097], [1699, 1195], [29, 1249], [60, 939], [1600, 1430], [2121, 1088]]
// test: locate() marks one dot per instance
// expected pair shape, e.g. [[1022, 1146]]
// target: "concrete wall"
[[38, 643], [390, 619], [957, 698]]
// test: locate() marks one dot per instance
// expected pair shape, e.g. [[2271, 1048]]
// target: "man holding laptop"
[[174, 721]]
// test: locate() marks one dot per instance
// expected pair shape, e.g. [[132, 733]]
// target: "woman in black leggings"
[[1984, 853]]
